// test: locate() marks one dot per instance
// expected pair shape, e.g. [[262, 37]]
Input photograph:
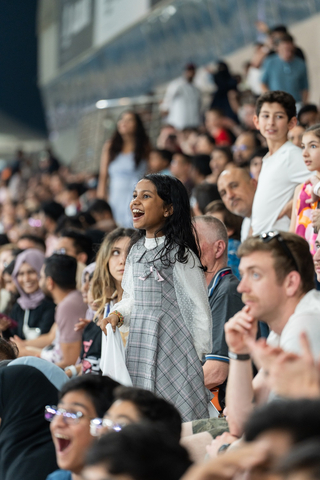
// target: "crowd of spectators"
[[214, 290]]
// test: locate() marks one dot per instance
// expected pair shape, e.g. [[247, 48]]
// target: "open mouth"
[[63, 442], [137, 213]]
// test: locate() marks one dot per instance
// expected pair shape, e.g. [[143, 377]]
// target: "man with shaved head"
[[224, 299], [237, 190]]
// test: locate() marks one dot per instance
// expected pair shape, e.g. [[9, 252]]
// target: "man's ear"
[[292, 283], [256, 122], [220, 248], [49, 284], [82, 257], [292, 122]]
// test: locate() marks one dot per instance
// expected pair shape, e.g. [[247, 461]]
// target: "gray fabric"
[[160, 355], [215, 426]]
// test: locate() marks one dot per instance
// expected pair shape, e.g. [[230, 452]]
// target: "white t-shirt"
[[182, 100], [306, 318], [245, 228], [280, 174]]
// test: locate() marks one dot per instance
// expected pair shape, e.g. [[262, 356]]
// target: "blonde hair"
[[102, 284]]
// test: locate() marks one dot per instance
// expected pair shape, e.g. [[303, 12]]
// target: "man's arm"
[[70, 353], [40, 342], [240, 393], [215, 373]]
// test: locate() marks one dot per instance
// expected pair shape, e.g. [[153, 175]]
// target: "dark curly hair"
[[142, 143], [277, 96], [178, 228]]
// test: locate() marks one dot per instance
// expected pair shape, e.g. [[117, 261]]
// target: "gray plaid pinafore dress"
[[160, 354]]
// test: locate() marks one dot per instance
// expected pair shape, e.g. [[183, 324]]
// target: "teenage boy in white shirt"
[[283, 167]]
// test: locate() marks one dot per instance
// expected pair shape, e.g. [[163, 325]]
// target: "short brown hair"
[[283, 264], [277, 96]]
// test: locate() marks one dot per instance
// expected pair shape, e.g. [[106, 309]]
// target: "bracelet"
[[316, 189], [239, 356], [73, 370], [120, 316]]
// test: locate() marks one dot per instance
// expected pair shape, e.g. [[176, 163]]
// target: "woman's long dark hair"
[[178, 227], [142, 142]]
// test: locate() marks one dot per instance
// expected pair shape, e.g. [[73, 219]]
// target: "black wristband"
[[239, 356], [223, 448]]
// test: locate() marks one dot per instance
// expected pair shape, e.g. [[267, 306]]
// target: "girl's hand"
[[313, 181], [113, 319]]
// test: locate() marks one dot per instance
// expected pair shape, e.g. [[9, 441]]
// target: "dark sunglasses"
[[268, 236]]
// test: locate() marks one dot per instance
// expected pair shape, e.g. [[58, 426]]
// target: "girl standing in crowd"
[[303, 208], [33, 312], [102, 287], [165, 298], [123, 162]]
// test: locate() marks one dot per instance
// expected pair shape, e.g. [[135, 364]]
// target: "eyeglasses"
[[239, 148], [60, 251], [70, 418], [268, 236], [97, 424]]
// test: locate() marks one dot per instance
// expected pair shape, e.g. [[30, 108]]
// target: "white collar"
[[150, 243]]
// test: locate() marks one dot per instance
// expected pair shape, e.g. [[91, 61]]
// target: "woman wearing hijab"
[[33, 311], [26, 448]]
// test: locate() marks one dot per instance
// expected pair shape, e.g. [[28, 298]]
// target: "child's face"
[[311, 151], [273, 122], [295, 135], [157, 163], [148, 210], [255, 167], [218, 162], [118, 258]]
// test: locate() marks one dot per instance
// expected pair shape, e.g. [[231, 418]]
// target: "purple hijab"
[[89, 269], [35, 259]]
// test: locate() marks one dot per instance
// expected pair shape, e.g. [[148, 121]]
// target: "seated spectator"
[[135, 405], [33, 311], [202, 195], [237, 190], [31, 241], [8, 350], [78, 245], [62, 344], [159, 161], [51, 212], [224, 300], [272, 433], [200, 168], [205, 144], [255, 164], [72, 198], [277, 287], [244, 147], [80, 400], [302, 461], [295, 135], [233, 224], [149, 452], [214, 125], [220, 157], [308, 115], [26, 448], [180, 168], [100, 210]]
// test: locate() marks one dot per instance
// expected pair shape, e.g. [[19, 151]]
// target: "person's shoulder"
[[288, 150], [60, 475]]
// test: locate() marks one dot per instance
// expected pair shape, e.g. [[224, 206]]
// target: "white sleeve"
[[192, 296], [171, 92], [125, 305]]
